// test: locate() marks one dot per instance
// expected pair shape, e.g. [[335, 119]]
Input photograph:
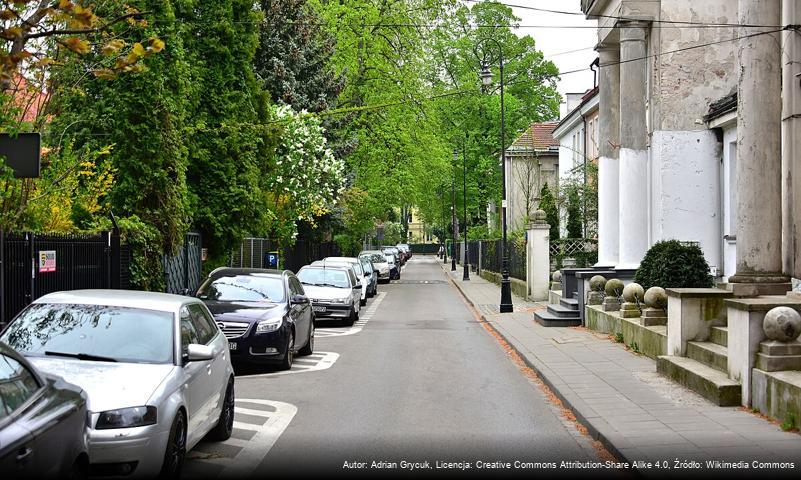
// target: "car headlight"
[[268, 326], [340, 300], [126, 418]]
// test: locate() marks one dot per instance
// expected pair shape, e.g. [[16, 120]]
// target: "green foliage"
[[673, 264], [789, 423], [619, 337], [574, 229], [145, 241], [548, 205]]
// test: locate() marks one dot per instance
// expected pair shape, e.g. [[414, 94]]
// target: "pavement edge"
[[593, 431]]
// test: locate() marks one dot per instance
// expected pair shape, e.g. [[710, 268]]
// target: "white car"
[[380, 262], [155, 368]]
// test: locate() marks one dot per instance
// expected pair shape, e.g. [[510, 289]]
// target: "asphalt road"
[[421, 381]]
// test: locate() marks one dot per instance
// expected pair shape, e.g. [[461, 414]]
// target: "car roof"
[[119, 298], [370, 252], [218, 272], [341, 259], [321, 266]]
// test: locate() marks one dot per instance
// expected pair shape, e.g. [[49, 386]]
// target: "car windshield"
[[93, 332], [390, 258], [243, 288], [324, 277]]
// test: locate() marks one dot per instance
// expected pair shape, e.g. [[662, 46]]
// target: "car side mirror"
[[299, 299], [197, 352]]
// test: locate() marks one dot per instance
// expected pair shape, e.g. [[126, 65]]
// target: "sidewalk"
[[637, 414]]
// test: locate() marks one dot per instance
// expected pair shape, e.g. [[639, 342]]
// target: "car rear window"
[[324, 277]]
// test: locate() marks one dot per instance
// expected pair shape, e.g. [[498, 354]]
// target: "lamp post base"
[[506, 294], [466, 274], [453, 264]]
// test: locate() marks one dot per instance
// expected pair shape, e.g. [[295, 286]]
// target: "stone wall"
[[650, 341]]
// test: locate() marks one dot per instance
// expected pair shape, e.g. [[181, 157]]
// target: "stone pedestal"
[[691, 313], [595, 298], [629, 310], [538, 261], [610, 304], [745, 321], [774, 356], [652, 317]]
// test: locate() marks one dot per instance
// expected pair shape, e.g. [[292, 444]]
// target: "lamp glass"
[[485, 75]]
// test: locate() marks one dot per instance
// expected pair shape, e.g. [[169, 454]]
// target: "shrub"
[[673, 264]]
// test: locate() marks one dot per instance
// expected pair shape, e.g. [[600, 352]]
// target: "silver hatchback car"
[[154, 366]]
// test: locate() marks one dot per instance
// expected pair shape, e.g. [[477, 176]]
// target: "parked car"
[[333, 290], [265, 314], [394, 264], [42, 422], [406, 249], [397, 252], [154, 366], [371, 284], [379, 261], [357, 271], [368, 267]]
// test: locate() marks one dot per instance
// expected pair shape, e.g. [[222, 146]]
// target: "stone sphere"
[[782, 324], [613, 287], [632, 292], [655, 297], [539, 216], [557, 276], [597, 283]]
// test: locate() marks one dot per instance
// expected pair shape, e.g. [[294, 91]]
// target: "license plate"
[[232, 345], [319, 309]]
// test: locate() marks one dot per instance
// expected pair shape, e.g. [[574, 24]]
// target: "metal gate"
[[184, 269]]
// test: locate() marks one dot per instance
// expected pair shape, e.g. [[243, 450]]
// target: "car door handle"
[[23, 454]]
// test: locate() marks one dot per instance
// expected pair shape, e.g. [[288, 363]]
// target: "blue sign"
[[272, 260]]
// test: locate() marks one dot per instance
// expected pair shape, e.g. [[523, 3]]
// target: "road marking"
[[249, 452], [314, 362], [357, 327]]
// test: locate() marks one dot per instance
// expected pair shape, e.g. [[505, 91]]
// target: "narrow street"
[[421, 381]]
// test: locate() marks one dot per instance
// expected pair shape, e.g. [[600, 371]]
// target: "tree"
[[574, 229], [527, 174], [548, 205]]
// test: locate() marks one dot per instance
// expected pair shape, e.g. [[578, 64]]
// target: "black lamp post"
[[486, 81], [453, 215], [466, 273], [444, 230]]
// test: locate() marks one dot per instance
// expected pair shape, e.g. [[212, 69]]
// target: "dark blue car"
[[265, 314]]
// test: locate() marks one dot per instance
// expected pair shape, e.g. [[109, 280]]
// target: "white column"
[[608, 171], [538, 267], [759, 167], [633, 175], [791, 135]]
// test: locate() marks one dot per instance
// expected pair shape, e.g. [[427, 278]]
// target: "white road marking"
[[314, 362], [357, 327], [252, 452]]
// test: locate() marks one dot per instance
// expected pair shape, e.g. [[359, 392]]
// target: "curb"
[[593, 431]]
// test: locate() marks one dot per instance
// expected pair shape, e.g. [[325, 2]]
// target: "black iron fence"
[[492, 257], [183, 270], [34, 265], [425, 248], [253, 253]]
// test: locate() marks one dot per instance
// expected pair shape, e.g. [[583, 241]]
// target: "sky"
[[554, 41]]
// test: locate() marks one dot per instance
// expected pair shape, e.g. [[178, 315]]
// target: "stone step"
[[547, 319], [563, 312], [710, 354], [719, 335], [708, 382], [570, 303]]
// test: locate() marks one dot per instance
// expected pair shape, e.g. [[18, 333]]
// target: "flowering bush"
[[306, 177]]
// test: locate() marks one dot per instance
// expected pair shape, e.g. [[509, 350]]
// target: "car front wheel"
[[225, 424], [286, 363], [175, 454]]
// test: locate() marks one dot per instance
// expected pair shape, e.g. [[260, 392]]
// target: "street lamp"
[[486, 80], [466, 273], [453, 212]]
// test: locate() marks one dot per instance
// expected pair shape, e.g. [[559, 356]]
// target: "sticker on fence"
[[47, 261]]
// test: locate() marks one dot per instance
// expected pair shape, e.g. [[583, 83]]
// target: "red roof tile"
[[539, 136]]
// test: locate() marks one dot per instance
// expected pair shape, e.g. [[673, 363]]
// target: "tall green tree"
[[548, 205], [574, 223]]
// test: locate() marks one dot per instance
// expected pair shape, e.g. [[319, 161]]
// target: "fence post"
[[538, 257], [32, 250]]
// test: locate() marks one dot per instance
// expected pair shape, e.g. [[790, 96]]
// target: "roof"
[[722, 107], [119, 298], [538, 137]]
